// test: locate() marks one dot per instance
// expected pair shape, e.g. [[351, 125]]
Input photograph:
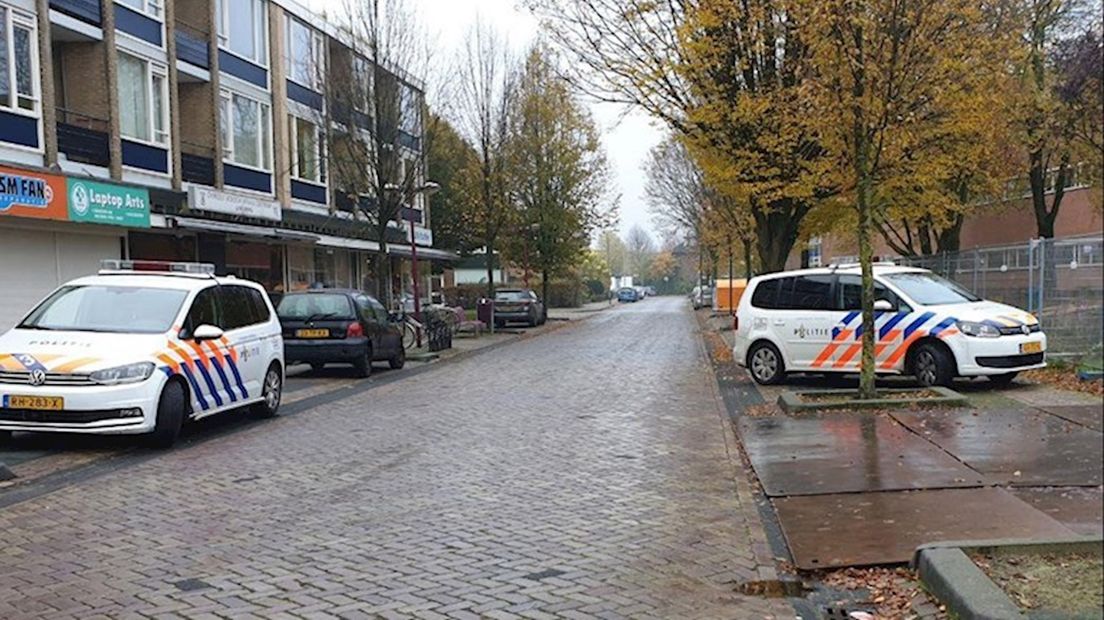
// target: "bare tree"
[[485, 98], [374, 119], [676, 190], [640, 248]]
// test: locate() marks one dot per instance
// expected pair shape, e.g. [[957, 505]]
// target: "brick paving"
[[584, 473]]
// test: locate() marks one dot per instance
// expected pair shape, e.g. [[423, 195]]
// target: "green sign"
[[104, 203]]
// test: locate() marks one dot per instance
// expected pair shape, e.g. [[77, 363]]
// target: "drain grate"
[[544, 574], [192, 584]]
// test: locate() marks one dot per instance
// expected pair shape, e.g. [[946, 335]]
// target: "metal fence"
[[1061, 281]]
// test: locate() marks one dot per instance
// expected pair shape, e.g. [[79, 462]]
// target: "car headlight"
[[978, 330], [131, 373]]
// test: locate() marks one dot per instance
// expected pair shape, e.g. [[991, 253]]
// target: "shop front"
[[55, 228]]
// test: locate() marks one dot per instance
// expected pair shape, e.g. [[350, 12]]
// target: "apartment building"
[[189, 130]]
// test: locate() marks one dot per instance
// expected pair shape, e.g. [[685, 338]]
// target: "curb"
[[791, 402], [952, 577]]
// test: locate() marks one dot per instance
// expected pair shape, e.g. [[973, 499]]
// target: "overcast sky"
[[627, 140]]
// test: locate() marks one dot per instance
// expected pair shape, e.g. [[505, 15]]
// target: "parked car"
[[701, 297], [139, 348], [641, 292], [650, 290], [627, 294], [339, 326], [519, 305], [928, 327]]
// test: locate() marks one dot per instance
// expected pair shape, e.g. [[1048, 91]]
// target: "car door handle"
[[779, 322]]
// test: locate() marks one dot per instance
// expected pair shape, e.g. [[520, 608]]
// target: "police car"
[[927, 326], [139, 348]]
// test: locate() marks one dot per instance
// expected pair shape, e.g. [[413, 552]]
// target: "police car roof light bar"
[[116, 265]]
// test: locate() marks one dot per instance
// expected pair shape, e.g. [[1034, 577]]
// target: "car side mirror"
[[207, 332], [883, 305]]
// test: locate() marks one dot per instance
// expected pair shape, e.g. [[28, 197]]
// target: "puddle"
[[773, 588]]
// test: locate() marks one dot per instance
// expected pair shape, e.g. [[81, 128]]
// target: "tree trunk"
[[747, 258], [490, 268], [1044, 219], [776, 231], [383, 282], [544, 287], [866, 260]]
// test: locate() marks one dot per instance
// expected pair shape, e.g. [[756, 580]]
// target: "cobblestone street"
[[581, 473]]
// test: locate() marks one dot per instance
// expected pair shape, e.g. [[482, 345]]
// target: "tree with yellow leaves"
[[891, 76]]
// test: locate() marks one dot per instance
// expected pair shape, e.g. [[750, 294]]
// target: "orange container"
[[727, 293]]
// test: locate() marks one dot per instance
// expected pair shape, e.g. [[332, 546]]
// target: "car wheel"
[[170, 416], [500, 324], [272, 391], [932, 365], [317, 367], [1004, 380], [363, 365], [765, 363], [398, 360]]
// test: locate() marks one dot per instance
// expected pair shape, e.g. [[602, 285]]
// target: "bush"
[[565, 294], [464, 295]]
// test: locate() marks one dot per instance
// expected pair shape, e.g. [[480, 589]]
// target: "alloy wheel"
[[926, 368], [272, 389], [764, 364]]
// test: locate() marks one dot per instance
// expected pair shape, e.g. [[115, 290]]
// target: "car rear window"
[[511, 296], [303, 306], [766, 294]]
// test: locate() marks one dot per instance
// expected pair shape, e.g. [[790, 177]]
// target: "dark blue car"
[[627, 294]]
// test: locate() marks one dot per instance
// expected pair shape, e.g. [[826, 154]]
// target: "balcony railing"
[[84, 10], [191, 45], [197, 163], [83, 138]]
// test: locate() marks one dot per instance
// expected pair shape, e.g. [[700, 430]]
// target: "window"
[[410, 106], [849, 294], [143, 100], [315, 306], [149, 7], [112, 309], [305, 54], [931, 290], [785, 299], [237, 307], [812, 292], [261, 313], [766, 294], [814, 250], [18, 62], [246, 127], [204, 311], [306, 150], [242, 29]]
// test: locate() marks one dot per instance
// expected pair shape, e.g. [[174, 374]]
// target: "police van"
[[139, 348], [927, 326]]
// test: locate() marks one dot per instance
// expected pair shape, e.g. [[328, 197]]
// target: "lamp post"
[[428, 189]]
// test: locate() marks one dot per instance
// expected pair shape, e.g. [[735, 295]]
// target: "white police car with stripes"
[[139, 348], [927, 326]]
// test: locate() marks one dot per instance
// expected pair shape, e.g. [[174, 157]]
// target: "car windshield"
[[511, 296], [303, 306], [929, 289], [114, 309]]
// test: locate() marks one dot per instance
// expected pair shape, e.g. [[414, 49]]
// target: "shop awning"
[[423, 253], [345, 242], [240, 229]]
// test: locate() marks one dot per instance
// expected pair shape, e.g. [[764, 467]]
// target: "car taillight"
[[735, 323], [355, 331]]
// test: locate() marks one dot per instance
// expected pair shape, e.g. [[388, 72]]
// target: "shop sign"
[[104, 203], [204, 199], [423, 236], [32, 194]]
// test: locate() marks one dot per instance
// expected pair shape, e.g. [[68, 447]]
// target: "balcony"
[[83, 138], [197, 163], [192, 45], [85, 10]]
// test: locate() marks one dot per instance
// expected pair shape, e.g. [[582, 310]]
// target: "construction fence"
[[1061, 281]]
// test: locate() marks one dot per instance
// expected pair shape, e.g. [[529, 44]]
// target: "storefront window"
[[300, 267], [260, 262], [152, 246]]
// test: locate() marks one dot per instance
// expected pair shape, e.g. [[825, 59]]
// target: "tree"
[[1060, 110], [728, 77], [676, 190], [559, 179], [639, 251], [374, 122], [486, 99], [613, 249], [450, 162], [890, 74]]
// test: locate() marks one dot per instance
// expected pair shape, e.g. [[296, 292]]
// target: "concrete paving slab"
[[846, 452], [1091, 416], [1021, 448], [858, 529], [1078, 508]]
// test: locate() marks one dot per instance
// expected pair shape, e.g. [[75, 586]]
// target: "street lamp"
[[428, 189]]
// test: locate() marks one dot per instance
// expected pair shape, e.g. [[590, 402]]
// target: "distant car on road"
[[701, 297], [641, 292], [650, 290], [339, 326], [627, 295], [519, 305]]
